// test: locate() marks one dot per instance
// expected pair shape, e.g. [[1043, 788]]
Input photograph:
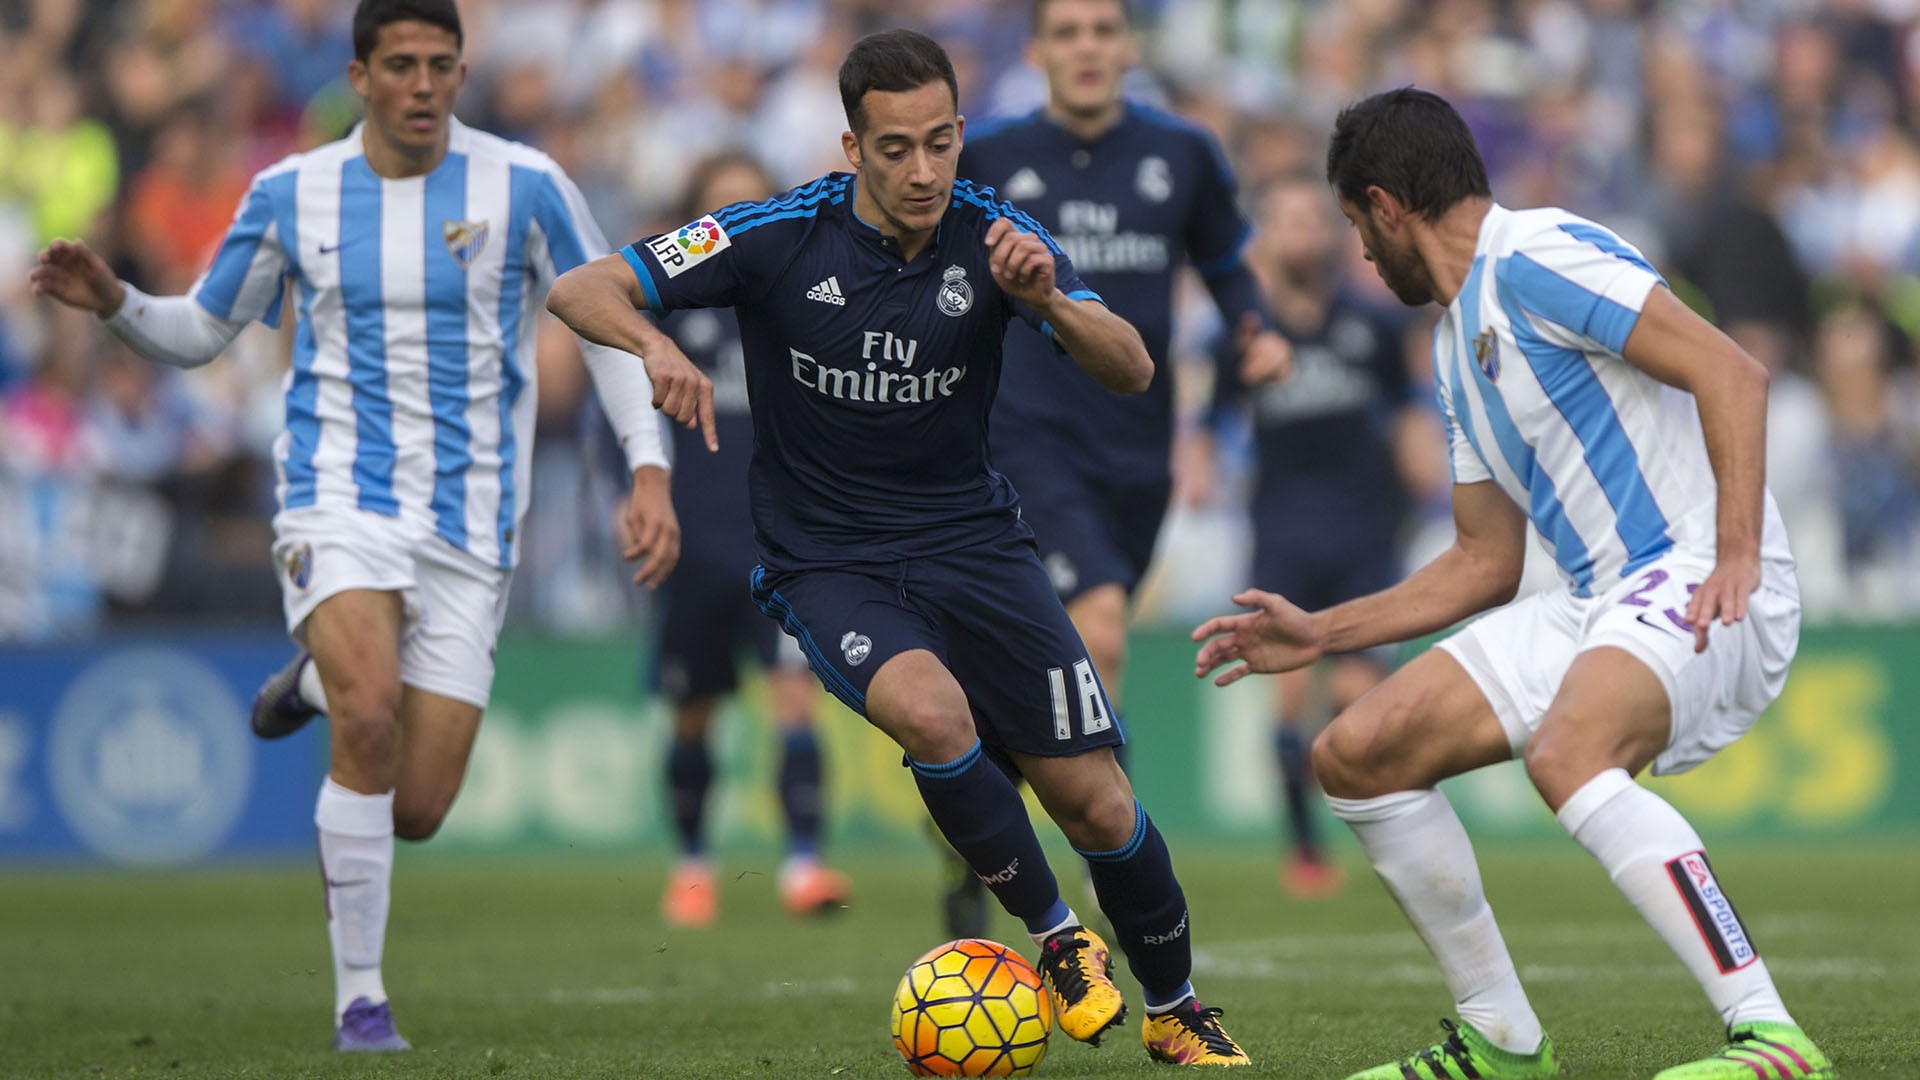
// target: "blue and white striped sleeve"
[[1463, 461], [566, 226], [571, 238], [1581, 278], [247, 280]]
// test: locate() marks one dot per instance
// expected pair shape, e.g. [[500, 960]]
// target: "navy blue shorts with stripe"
[[707, 620], [987, 612], [1089, 533]]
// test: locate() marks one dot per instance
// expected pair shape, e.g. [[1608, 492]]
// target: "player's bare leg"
[[354, 637], [1100, 615], [1608, 721], [806, 886], [1306, 871], [1089, 797], [1378, 762], [691, 898]]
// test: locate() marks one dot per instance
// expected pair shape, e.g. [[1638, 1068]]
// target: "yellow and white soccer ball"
[[971, 1008]]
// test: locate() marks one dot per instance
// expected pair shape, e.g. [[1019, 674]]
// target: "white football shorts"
[[453, 603], [1518, 655]]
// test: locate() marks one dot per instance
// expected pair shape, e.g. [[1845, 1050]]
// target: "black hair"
[[1040, 6], [693, 193], [892, 61], [1411, 144], [371, 15]]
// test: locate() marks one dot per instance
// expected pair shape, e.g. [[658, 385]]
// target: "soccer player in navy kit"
[[872, 306], [1127, 191], [1330, 443], [707, 616]]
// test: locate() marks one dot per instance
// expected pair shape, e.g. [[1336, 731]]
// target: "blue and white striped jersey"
[[412, 386], [1609, 462]]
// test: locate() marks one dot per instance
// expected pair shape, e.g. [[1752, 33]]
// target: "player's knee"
[[364, 721], [1349, 761], [935, 730], [1559, 765], [1101, 820], [419, 819]]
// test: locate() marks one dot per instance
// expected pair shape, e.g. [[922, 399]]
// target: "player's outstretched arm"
[[1481, 570], [601, 301], [1105, 345], [173, 330], [1683, 350]]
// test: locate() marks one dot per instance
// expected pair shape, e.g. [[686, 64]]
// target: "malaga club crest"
[[1486, 353], [299, 565], [465, 240], [955, 296]]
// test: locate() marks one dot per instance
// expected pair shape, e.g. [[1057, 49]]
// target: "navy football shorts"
[[708, 620], [1089, 533], [987, 612]]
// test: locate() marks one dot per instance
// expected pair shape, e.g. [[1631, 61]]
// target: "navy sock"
[[1298, 785], [1143, 901], [977, 809], [800, 794], [689, 775]]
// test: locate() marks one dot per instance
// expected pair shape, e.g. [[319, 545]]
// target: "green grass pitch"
[[558, 966]]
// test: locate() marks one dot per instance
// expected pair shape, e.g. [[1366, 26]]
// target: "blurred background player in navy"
[[1128, 191], [707, 616], [1336, 447]]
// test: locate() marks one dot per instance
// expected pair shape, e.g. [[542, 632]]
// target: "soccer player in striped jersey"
[[872, 307], [1579, 393], [419, 252]]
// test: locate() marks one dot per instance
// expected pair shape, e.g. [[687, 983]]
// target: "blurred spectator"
[[1765, 153]]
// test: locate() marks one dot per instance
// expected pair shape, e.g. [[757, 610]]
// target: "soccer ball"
[[971, 1008]]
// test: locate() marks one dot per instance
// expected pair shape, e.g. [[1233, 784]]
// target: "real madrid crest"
[[465, 240], [955, 296], [1154, 179], [1486, 353]]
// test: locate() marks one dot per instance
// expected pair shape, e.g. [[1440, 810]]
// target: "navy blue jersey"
[[1128, 208], [709, 488], [1325, 460], [870, 377]]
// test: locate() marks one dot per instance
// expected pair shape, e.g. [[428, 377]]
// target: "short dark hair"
[[892, 61], [1040, 7], [371, 15], [1410, 143]]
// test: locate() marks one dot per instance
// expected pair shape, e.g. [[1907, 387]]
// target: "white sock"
[[1656, 859], [356, 858], [309, 687], [1417, 845], [1041, 937]]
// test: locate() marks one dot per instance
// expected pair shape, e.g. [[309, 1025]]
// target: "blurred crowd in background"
[[1764, 153]]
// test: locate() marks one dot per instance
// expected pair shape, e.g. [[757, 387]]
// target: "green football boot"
[[1762, 1050], [1466, 1055]]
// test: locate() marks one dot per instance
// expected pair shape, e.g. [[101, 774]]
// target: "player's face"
[[1393, 255], [409, 82], [1085, 48], [1295, 220], [907, 156], [733, 184]]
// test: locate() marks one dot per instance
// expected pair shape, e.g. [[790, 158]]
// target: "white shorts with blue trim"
[[452, 603], [1519, 654]]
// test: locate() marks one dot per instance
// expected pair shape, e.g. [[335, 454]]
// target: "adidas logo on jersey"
[[1025, 184], [828, 292]]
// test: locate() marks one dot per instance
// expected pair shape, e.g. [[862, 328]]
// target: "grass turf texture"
[[558, 966]]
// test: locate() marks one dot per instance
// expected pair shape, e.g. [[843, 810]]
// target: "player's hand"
[[681, 390], [72, 273], [647, 528], [1020, 262], [1265, 356], [1722, 596], [1275, 636]]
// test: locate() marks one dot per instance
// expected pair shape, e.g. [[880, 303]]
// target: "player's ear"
[[357, 74], [1382, 202], [850, 146], [1030, 52]]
